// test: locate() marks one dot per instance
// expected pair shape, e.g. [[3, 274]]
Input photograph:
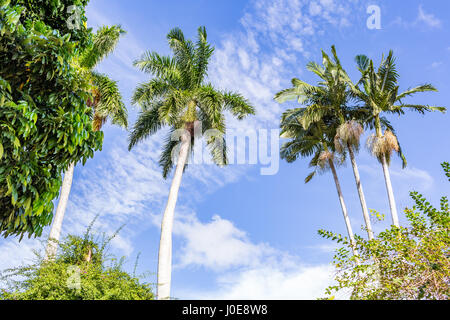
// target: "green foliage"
[[45, 123], [81, 271], [55, 14], [446, 167], [400, 263]]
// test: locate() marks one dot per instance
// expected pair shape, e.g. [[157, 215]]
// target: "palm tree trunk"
[[344, 208], [362, 198], [387, 179], [55, 231], [165, 244]]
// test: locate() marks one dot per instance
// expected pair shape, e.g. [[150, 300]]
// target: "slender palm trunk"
[[344, 208], [165, 244], [55, 231], [387, 179], [362, 198]]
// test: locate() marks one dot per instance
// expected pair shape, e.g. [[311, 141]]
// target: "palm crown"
[[178, 96], [315, 141], [106, 98], [378, 90]]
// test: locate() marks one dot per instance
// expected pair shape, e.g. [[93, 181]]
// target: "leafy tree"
[[378, 90], [179, 97], [106, 102], [404, 263], [82, 270], [44, 119]]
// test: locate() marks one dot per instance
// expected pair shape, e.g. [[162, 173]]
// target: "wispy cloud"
[[428, 19], [423, 19]]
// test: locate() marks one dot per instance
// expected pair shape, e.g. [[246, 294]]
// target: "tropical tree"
[[378, 90], [330, 98], [316, 141], [106, 102], [45, 123], [179, 97]]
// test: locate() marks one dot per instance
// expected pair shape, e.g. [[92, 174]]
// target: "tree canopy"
[[44, 118]]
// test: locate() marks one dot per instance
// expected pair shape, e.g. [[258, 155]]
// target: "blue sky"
[[239, 234]]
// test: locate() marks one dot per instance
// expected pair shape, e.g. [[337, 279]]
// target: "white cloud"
[[436, 64], [314, 8], [422, 19], [217, 245], [14, 253], [428, 18], [246, 270], [414, 177], [271, 283]]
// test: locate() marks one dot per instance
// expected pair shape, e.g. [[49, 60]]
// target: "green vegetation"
[[82, 270], [411, 262], [44, 120]]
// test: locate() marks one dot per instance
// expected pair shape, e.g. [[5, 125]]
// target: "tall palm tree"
[[330, 97], [316, 141], [378, 90], [178, 97], [106, 103]]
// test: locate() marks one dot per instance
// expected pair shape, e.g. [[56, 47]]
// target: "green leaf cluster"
[[45, 123], [54, 13], [405, 263]]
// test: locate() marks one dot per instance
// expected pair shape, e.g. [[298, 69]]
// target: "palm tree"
[[316, 141], [330, 98], [378, 91], [179, 98], [106, 102]]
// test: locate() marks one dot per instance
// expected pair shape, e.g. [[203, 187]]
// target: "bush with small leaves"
[[82, 270], [405, 263]]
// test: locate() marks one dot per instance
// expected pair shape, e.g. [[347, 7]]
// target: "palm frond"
[[184, 55], [239, 106], [363, 62], [110, 104], [166, 158], [105, 41], [419, 108], [146, 92], [203, 52], [148, 123], [409, 92], [387, 73], [161, 67]]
